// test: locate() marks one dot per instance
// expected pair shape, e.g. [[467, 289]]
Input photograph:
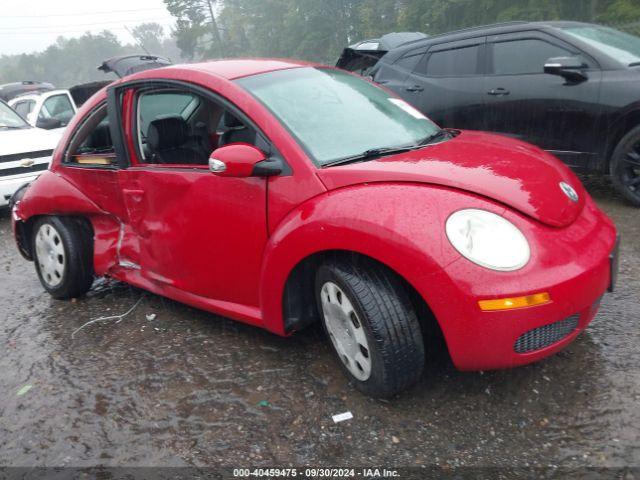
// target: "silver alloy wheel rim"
[[50, 255], [346, 331]]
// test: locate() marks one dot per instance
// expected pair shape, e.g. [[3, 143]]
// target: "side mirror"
[[242, 160], [48, 123], [570, 68]]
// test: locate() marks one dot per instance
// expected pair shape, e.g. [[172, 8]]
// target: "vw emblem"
[[569, 191]]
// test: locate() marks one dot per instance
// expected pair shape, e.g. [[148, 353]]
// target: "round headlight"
[[488, 240]]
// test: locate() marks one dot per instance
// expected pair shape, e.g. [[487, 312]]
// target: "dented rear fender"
[[50, 194]]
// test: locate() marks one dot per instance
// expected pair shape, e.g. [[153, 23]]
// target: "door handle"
[[415, 88], [499, 92]]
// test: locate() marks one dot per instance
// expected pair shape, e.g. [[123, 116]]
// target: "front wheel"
[[371, 325], [625, 167], [62, 250]]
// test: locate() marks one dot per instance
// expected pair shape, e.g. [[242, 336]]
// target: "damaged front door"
[[93, 159], [197, 232]]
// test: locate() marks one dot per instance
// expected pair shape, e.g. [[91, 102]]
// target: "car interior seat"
[[169, 142], [100, 138]]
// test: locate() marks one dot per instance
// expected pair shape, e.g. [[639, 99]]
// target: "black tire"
[[389, 321], [76, 275], [625, 167]]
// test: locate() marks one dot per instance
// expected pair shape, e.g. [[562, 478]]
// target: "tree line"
[[314, 30], [319, 29], [70, 61]]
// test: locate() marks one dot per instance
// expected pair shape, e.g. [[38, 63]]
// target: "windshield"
[[336, 115], [9, 118], [619, 45]]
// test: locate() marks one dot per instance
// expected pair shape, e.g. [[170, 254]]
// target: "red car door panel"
[[198, 232]]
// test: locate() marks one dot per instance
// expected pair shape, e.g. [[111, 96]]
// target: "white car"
[[25, 151], [48, 110]]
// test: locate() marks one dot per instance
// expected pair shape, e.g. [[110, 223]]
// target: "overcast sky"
[[32, 25]]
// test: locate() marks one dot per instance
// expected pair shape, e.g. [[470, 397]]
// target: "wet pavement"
[[190, 388]]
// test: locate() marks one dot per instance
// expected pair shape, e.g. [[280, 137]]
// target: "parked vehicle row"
[[281, 193], [9, 91], [25, 151], [50, 110], [571, 88]]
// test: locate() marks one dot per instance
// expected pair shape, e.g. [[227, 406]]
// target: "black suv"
[[571, 88]]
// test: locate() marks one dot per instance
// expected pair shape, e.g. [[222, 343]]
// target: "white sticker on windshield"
[[408, 108]]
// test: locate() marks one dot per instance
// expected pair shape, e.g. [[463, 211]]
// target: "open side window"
[[92, 144], [175, 126], [56, 112]]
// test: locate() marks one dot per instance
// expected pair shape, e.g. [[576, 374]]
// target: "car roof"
[[37, 96], [495, 29], [14, 89], [22, 98], [483, 30], [232, 69]]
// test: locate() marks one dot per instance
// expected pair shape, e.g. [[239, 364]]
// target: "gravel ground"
[[190, 388]]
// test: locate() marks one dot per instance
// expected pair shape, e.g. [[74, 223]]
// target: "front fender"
[[400, 225]]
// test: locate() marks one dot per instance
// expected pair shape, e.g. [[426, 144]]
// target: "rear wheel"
[[63, 256], [625, 167], [371, 325]]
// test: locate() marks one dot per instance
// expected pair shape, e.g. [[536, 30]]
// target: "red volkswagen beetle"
[[281, 193]]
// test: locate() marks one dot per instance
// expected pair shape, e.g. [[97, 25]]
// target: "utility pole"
[[594, 10], [214, 25]]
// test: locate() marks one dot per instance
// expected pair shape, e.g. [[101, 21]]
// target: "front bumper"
[[576, 265], [9, 185], [18, 227]]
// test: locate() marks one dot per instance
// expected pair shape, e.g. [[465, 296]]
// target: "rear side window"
[[409, 62], [92, 144], [525, 56], [24, 108], [453, 63]]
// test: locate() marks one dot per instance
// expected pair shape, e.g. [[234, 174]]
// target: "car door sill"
[[240, 312], [567, 153]]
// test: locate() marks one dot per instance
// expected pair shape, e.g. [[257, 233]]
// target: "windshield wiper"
[[439, 135], [634, 64], [381, 152], [368, 154]]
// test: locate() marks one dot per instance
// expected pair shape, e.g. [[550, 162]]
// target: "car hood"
[[511, 172], [28, 140]]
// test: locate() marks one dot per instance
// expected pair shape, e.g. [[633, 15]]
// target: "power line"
[[71, 32], [136, 40], [81, 25], [77, 14]]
